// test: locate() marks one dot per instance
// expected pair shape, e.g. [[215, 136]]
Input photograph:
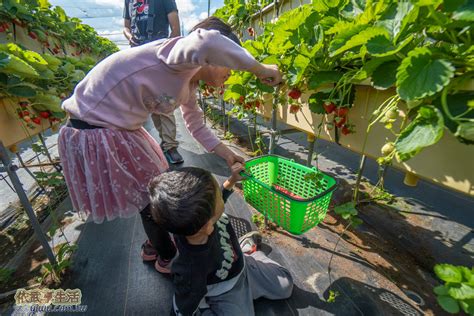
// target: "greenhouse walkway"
[[114, 281]]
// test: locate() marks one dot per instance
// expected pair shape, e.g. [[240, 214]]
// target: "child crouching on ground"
[[214, 273]]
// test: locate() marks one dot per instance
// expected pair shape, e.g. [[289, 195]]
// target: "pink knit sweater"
[[123, 89]]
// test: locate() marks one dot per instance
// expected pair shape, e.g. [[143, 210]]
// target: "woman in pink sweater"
[[109, 158]]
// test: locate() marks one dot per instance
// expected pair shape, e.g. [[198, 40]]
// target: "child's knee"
[[286, 283]]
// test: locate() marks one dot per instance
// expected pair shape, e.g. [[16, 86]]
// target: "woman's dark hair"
[[183, 200], [213, 23]]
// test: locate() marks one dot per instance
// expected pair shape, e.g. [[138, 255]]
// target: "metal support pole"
[[11, 170], [311, 141], [359, 176]]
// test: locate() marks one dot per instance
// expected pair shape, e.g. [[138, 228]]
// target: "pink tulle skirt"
[[107, 171]]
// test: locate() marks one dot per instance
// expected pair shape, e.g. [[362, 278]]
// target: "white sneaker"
[[249, 242]]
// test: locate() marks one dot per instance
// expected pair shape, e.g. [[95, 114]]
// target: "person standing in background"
[[146, 21]]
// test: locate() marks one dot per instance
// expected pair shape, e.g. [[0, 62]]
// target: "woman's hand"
[[230, 157], [268, 74]]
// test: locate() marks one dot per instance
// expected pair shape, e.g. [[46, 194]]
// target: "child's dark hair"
[[183, 200], [213, 23]]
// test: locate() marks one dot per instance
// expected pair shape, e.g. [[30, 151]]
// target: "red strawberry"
[[33, 35], [22, 114], [286, 192], [329, 107], [2, 28], [36, 120], [294, 93], [341, 112], [248, 106], [17, 22], [294, 108], [55, 50], [251, 31], [257, 104], [241, 99], [44, 114], [346, 130], [340, 121], [23, 104]]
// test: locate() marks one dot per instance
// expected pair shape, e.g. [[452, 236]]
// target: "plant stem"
[[333, 252]]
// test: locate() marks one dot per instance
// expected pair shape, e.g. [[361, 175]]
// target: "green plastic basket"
[[294, 214]]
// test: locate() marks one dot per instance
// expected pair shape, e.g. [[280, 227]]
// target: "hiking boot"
[[250, 242], [149, 253], [173, 156]]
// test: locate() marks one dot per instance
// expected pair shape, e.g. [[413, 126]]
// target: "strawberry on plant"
[[22, 114], [2, 28], [339, 121], [55, 51], [387, 149], [251, 31], [26, 119], [241, 99], [248, 106], [23, 104], [341, 111], [346, 130], [392, 114], [294, 93], [32, 35], [18, 22], [329, 107], [257, 104], [294, 108], [36, 120], [44, 114]]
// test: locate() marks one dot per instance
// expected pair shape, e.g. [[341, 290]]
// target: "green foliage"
[[258, 220], [63, 261], [348, 212], [41, 78], [457, 292], [50, 179], [332, 296], [425, 130], [6, 275], [424, 49]]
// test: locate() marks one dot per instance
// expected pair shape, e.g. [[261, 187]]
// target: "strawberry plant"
[[457, 292], [421, 50], [37, 82], [239, 13]]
